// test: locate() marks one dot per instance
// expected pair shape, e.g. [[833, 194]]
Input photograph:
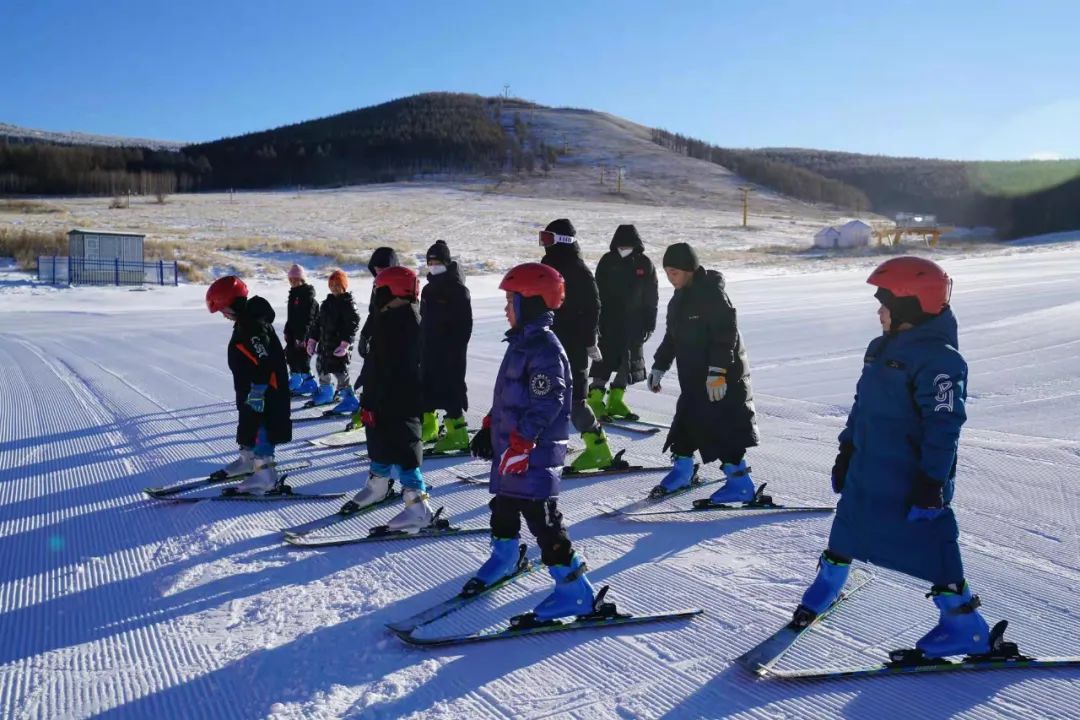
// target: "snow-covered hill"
[[115, 606], [81, 138]]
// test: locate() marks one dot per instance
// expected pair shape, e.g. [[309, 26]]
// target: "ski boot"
[[831, 576], [349, 403], [429, 429], [243, 465], [739, 486], [415, 516], [506, 553], [595, 401], [308, 386], [323, 396], [961, 629], [263, 480], [596, 455], [680, 476], [294, 381], [375, 490], [456, 437], [573, 595], [617, 407]]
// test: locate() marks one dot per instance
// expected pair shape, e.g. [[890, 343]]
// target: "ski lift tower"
[[746, 190]]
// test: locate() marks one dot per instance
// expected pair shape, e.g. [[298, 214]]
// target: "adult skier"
[[259, 372], [302, 323], [391, 402], [576, 325], [446, 326], [338, 321], [629, 297], [896, 467], [525, 436], [715, 411]]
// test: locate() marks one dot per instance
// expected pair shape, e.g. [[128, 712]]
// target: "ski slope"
[[115, 606]]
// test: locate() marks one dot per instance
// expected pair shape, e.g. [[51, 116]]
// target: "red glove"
[[515, 459], [486, 424], [367, 418]]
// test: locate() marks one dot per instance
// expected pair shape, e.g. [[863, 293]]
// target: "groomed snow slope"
[[119, 607]]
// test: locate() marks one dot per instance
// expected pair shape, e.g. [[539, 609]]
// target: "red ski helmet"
[[401, 281], [536, 280], [915, 277], [223, 292]]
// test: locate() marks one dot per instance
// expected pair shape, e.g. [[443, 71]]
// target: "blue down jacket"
[[908, 411], [532, 396]]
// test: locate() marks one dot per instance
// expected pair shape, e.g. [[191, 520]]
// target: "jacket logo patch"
[[944, 396], [260, 349], [895, 364], [640, 272], [540, 385], [869, 359]]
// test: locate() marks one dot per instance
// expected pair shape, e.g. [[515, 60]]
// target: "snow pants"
[[544, 521]]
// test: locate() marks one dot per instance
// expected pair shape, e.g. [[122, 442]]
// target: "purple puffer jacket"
[[532, 396]]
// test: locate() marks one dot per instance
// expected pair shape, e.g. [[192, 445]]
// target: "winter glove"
[[716, 384], [594, 354], [367, 418], [298, 343], [363, 346], [655, 376], [311, 344], [342, 349], [927, 499], [480, 445], [515, 459], [840, 466], [256, 399]]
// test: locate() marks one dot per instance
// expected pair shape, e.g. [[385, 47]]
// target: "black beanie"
[[562, 226], [681, 257], [439, 251]]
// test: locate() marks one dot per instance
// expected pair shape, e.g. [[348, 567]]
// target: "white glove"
[[655, 376], [716, 384], [594, 354]]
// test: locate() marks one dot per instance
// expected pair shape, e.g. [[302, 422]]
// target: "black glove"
[[927, 493], [840, 466], [480, 445], [363, 346]]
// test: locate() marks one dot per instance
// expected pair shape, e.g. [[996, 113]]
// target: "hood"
[[382, 257], [627, 236], [255, 309]]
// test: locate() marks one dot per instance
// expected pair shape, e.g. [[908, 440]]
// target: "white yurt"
[[827, 238], [854, 234]]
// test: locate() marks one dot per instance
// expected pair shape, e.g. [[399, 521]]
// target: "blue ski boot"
[[832, 574], [573, 595], [679, 477], [739, 486], [349, 403], [961, 630], [323, 396], [294, 381], [505, 553], [308, 385]]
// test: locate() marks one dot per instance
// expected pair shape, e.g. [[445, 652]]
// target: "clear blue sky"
[[990, 79]]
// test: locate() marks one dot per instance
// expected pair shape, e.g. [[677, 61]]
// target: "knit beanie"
[[681, 257], [440, 252]]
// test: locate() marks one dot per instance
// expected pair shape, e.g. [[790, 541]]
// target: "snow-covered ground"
[[115, 606]]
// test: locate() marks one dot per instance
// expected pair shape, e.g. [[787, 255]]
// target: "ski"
[[430, 454], [760, 501], [618, 467], [282, 493], [762, 657], [480, 478], [635, 419], [314, 418], [604, 615], [218, 477], [345, 513], [656, 497], [342, 438], [404, 627], [629, 426]]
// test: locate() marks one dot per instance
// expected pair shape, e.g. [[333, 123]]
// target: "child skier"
[[626, 279], [715, 411], [338, 322], [391, 405], [302, 323], [258, 367], [525, 435], [382, 258], [896, 466], [446, 326], [576, 326]]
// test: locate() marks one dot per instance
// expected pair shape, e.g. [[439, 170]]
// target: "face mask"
[[624, 252], [436, 269]]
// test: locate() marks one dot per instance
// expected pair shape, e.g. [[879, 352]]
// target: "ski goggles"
[[548, 238]]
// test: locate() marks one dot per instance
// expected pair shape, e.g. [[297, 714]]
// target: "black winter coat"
[[338, 322], [302, 320], [702, 332], [257, 358], [392, 385], [383, 257], [576, 322], [628, 300], [446, 326]]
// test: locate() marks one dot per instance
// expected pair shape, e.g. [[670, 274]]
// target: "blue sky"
[[968, 79]]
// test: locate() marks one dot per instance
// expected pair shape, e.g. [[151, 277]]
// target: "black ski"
[[439, 527], [314, 418], [218, 477], [346, 512], [282, 493], [760, 501], [656, 495], [618, 467]]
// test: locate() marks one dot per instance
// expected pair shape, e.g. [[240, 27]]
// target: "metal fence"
[[61, 270]]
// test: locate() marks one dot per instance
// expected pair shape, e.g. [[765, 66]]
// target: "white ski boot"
[[240, 466], [375, 490], [416, 516], [263, 480]]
